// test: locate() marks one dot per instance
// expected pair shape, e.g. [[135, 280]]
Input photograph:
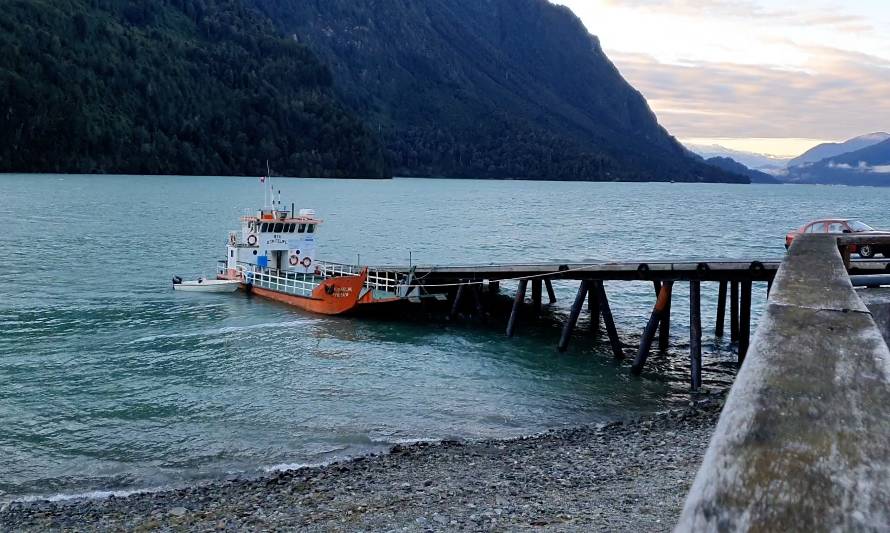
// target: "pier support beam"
[[664, 329], [494, 287], [651, 326], [569, 326], [734, 312], [536, 296], [745, 321], [695, 333], [606, 311], [455, 306], [593, 305], [477, 298], [517, 307], [721, 310], [550, 293]]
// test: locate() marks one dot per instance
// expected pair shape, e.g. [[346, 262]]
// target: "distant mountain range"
[[364, 88], [866, 166], [826, 150], [761, 162], [863, 160]]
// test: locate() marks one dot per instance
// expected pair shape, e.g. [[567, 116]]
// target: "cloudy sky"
[[769, 76]]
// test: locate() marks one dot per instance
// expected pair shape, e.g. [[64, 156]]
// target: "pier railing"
[[802, 443]]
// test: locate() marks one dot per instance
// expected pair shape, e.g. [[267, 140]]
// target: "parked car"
[[843, 225]]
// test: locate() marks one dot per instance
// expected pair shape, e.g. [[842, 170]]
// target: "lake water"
[[111, 381]]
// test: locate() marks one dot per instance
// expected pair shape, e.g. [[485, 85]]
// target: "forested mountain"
[[868, 166], [494, 88], [168, 86]]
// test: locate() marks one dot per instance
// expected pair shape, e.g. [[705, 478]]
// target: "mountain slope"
[[495, 88], [173, 87], [868, 166], [731, 165], [826, 150]]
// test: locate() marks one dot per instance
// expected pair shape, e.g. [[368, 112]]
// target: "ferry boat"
[[273, 255]]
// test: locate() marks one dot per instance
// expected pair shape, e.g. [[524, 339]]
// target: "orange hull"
[[334, 296]]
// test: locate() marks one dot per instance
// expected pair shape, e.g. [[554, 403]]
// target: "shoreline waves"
[[621, 476]]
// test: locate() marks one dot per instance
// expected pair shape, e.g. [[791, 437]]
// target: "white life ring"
[[251, 240], [294, 260], [307, 262]]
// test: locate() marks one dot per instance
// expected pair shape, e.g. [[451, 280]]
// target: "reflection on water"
[[111, 380]]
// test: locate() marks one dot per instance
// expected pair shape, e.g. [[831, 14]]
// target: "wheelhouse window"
[[302, 228], [278, 227], [264, 228], [311, 228], [291, 227]]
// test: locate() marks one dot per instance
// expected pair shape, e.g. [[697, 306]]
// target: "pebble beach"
[[624, 476]]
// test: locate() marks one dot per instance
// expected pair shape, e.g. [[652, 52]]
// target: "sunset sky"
[[767, 76]]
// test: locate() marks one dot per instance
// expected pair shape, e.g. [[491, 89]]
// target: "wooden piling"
[[745, 321], [695, 333], [573, 316], [550, 293], [721, 310], [734, 312], [536, 296], [606, 311], [517, 307], [649, 331], [664, 329], [455, 306]]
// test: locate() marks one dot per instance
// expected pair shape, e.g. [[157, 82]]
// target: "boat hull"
[[207, 286]]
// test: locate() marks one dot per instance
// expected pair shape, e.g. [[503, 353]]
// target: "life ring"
[[251, 240], [307, 262], [294, 260]]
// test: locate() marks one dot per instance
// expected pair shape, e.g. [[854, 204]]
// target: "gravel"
[[623, 476]]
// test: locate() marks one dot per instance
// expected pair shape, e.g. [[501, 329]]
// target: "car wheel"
[[866, 251]]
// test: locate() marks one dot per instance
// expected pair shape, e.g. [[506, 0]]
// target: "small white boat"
[[206, 285]]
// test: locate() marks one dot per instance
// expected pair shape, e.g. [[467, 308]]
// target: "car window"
[[814, 228], [858, 225], [836, 227]]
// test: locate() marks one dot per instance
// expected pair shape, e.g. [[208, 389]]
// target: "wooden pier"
[[463, 286]]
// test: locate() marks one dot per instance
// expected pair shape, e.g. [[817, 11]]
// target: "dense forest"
[[169, 86], [497, 89]]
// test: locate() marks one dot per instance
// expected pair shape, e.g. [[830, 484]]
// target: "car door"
[[835, 227]]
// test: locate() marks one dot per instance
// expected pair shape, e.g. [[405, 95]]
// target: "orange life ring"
[[307, 262], [251, 240], [294, 260]]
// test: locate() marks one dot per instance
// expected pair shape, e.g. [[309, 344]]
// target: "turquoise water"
[[112, 381]]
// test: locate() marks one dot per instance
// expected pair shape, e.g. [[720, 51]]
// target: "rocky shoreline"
[[624, 476]]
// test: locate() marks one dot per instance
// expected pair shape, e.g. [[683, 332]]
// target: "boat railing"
[[378, 280], [303, 284], [277, 280]]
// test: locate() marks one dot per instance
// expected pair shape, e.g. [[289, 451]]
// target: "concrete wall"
[[878, 302], [803, 443]]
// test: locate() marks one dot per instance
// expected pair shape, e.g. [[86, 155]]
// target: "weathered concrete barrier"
[[803, 443]]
